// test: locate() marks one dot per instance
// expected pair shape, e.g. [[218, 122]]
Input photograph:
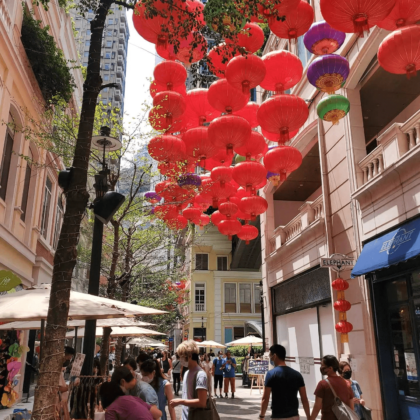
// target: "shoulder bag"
[[207, 413], [341, 410], [366, 413]]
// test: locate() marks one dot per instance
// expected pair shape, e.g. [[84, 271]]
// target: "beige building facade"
[[358, 181]]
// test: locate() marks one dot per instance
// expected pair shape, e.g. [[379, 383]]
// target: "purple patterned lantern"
[[189, 181], [321, 39], [328, 72], [274, 178], [152, 197]]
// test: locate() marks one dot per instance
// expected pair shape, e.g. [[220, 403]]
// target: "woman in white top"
[[207, 366]]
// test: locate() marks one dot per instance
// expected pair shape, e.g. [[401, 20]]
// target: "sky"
[[140, 65]]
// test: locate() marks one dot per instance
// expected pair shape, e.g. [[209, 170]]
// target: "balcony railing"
[[4, 15], [199, 307], [392, 145], [309, 213]]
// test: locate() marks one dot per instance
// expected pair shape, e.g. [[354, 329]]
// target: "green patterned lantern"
[[333, 108]]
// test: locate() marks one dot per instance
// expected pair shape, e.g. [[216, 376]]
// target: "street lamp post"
[[105, 205], [262, 316]]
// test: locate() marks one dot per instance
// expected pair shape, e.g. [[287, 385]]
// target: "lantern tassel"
[[245, 87], [162, 41], [411, 71], [169, 118], [344, 338], [360, 22], [284, 135], [247, 243]]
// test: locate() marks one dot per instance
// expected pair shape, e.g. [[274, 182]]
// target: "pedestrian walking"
[[218, 374], [152, 374], [119, 406], [346, 372], [166, 364], [229, 365], [325, 400], [284, 384], [207, 366], [191, 397], [131, 365], [176, 374], [124, 378]]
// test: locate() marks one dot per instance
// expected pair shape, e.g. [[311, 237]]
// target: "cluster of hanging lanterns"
[[342, 306]]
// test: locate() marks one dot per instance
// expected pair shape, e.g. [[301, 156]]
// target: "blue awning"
[[394, 247]]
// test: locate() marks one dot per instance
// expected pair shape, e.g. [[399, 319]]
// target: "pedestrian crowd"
[[141, 388]]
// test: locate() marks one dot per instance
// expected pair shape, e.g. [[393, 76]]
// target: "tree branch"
[[124, 4], [109, 85]]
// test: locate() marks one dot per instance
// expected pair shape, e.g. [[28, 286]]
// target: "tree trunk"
[[118, 351], [105, 350], [66, 254]]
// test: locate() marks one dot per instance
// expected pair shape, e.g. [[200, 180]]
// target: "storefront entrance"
[[396, 295]]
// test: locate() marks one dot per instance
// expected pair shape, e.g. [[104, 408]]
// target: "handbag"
[[366, 413], [207, 413], [341, 410]]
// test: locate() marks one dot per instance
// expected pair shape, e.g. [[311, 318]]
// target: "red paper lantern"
[[228, 209], [248, 233], [284, 70], [340, 284], [150, 27], [399, 52], [197, 144], [243, 216], [249, 112], [344, 327], [199, 110], [221, 174], [159, 121], [166, 148], [283, 160], [282, 9], [156, 88], [404, 13], [217, 193], [203, 201], [171, 104], [218, 58], [196, 7], [161, 186], [202, 221], [229, 132], [251, 37], [249, 174], [217, 217], [166, 212], [229, 227], [179, 223], [223, 157], [225, 98], [342, 305], [170, 74], [191, 213], [245, 72], [256, 145], [282, 114], [355, 16], [296, 24], [254, 205]]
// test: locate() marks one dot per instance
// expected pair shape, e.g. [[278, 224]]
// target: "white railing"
[[392, 145], [199, 307], [309, 213]]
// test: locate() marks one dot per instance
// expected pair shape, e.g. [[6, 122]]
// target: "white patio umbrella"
[[117, 332], [32, 305], [211, 344], [146, 342], [113, 322], [246, 341]]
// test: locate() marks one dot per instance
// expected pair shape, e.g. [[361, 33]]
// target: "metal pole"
[[89, 344], [75, 338], [262, 316], [202, 328], [41, 344]]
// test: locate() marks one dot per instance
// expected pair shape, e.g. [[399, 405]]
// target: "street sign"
[[338, 262], [171, 339], [258, 367]]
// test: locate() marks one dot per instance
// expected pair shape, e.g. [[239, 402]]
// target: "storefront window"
[[245, 296], [397, 291]]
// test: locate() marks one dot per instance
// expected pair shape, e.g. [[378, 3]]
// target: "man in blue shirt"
[[229, 365], [218, 374], [285, 383]]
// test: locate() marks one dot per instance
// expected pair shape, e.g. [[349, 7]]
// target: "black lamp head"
[[107, 206], [64, 178]]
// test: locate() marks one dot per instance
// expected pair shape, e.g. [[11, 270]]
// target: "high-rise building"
[[114, 51]]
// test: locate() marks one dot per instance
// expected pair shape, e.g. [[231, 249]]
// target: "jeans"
[[177, 381]]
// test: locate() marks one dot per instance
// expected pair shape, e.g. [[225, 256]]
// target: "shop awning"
[[392, 248]]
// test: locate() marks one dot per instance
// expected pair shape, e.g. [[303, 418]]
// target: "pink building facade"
[[358, 181]]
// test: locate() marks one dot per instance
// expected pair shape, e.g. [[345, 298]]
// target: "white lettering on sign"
[[401, 237]]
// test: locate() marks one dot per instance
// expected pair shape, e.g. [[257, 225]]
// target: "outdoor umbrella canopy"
[[111, 322], [246, 341], [211, 344], [117, 332], [32, 305], [146, 342]]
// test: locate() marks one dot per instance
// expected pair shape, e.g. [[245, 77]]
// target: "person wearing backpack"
[[176, 374], [326, 388]]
